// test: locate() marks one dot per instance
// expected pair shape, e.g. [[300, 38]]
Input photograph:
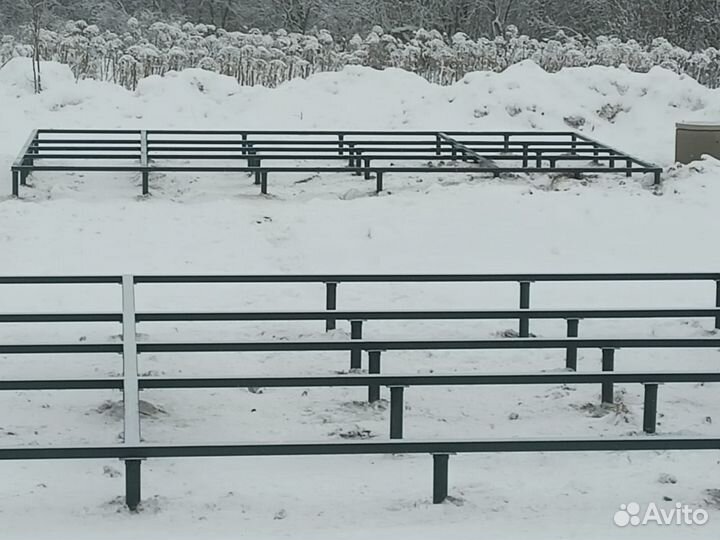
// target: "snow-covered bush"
[[149, 48]]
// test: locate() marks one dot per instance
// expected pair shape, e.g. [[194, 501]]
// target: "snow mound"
[[16, 77], [633, 111], [190, 84]]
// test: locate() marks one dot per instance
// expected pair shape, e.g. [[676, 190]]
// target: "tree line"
[[691, 24]]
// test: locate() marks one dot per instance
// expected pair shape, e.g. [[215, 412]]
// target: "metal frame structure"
[[133, 450], [368, 153]]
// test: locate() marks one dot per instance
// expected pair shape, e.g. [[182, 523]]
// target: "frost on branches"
[[254, 58]]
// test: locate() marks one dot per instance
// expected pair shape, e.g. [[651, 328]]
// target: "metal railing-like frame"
[[367, 153], [133, 450]]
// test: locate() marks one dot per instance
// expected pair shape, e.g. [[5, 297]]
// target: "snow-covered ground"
[[95, 223]]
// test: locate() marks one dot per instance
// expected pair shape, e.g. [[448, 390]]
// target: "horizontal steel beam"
[[421, 278], [61, 348], [36, 280], [328, 169], [429, 380], [59, 317], [146, 451], [426, 314], [62, 384], [367, 278], [348, 381], [408, 345], [363, 132]]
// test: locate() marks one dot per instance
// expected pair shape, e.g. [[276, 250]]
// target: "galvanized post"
[[396, 411], [330, 303], [16, 183], [608, 364], [263, 182], [356, 352], [374, 369], [440, 477], [650, 408], [258, 178], [717, 303], [367, 169], [379, 182], [131, 395], [571, 351], [524, 304], [358, 162], [132, 483], [144, 162]]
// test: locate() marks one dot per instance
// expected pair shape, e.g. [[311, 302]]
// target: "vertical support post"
[[330, 303], [506, 138], [358, 162], [341, 138], [258, 176], [538, 159], [131, 395], [717, 303], [524, 304], [132, 483], [608, 364], [658, 180], [263, 182], [573, 145], [16, 183], [145, 173], [244, 144], [397, 407], [438, 150], [145, 182], [374, 369], [650, 408], [144, 162], [367, 169], [525, 155], [356, 352], [379, 182], [440, 477], [571, 351], [629, 165]]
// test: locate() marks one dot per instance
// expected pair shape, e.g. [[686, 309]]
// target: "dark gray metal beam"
[[408, 345], [430, 380], [62, 384], [148, 451], [59, 317], [62, 348], [419, 278], [427, 314]]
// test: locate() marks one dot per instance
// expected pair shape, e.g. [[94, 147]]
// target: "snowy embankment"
[[96, 223]]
